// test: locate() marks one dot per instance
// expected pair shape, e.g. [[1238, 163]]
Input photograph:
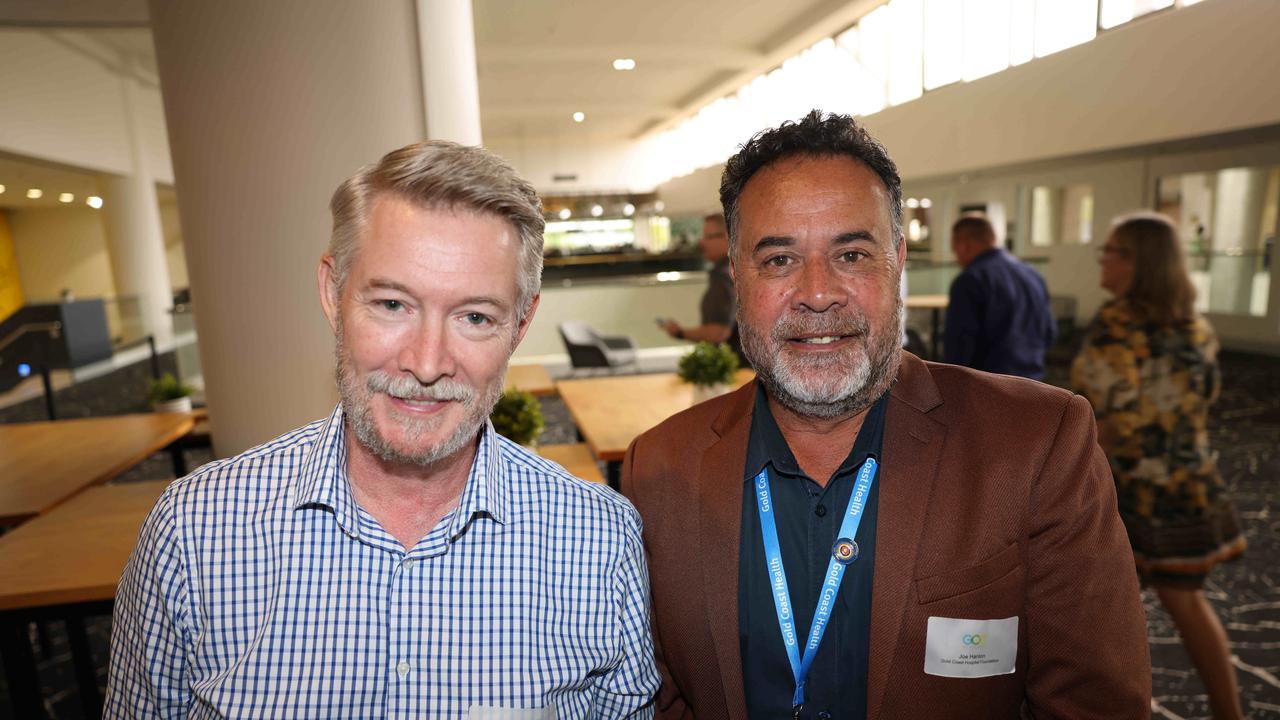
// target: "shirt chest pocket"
[[999, 575]]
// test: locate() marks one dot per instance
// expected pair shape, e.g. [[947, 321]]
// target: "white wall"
[[613, 309], [64, 247], [600, 165], [61, 105]]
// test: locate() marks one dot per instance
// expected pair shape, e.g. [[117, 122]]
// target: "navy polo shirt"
[[808, 518]]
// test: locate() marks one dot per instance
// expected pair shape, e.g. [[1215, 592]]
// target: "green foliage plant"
[[708, 364], [167, 388], [518, 416]]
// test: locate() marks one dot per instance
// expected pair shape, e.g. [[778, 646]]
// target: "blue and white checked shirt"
[[260, 589]]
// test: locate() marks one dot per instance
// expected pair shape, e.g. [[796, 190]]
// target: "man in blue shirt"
[[397, 559], [998, 317]]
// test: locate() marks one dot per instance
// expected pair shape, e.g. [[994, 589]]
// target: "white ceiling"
[[539, 61], [19, 175]]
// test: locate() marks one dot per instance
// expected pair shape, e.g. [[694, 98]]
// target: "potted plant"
[[710, 368], [518, 417], [169, 394]]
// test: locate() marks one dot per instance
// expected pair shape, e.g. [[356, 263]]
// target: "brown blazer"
[[995, 501]]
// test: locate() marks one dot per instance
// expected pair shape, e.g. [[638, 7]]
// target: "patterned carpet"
[[1246, 593]]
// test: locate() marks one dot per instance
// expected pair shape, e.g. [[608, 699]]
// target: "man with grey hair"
[[399, 558], [858, 533]]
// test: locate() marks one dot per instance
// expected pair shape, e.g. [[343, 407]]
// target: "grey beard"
[[356, 401], [847, 394]]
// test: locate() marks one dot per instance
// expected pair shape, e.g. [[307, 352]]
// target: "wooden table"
[[64, 565], [612, 411], [936, 304], [44, 463], [532, 379], [574, 457]]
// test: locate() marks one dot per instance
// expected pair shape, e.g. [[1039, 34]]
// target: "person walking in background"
[[1149, 368], [719, 302], [998, 316]]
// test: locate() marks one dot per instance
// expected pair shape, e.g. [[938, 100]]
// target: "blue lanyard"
[[844, 552]]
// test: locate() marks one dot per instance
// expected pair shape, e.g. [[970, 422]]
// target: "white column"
[[447, 47], [269, 106], [135, 237]]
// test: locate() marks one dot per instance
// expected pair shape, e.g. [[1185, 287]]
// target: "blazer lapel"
[[912, 449], [719, 496]]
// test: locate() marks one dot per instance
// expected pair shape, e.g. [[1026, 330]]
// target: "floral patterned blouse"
[[1151, 387]]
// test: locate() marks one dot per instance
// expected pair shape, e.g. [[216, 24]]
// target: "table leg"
[[613, 473], [86, 674], [20, 668], [179, 460]]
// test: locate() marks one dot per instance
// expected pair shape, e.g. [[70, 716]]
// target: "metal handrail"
[[53, 328]]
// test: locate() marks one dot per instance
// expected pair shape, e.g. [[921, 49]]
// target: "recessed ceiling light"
[[913, 203], [35, 193], [624, 64], [1, 188], [66, 197], [579, 116], [565, 213], [93, 201], [659, 206], [926, 203], [597, 210], [628, 209]]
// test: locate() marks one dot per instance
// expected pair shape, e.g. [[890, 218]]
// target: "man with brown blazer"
[[861, 534]]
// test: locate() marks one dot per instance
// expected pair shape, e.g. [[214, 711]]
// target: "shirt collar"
[[767, 446], [323, 480]]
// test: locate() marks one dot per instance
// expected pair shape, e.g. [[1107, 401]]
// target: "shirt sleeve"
[[148, 644], [1081, 586], [964, 321], [629, 689]]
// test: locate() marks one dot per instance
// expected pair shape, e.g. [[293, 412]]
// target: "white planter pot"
[[180, 405], [702, 393]]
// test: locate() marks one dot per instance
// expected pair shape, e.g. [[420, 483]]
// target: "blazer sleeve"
[[1086, 629], [670, 703]]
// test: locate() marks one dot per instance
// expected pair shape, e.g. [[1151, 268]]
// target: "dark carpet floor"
[[1246, 593]]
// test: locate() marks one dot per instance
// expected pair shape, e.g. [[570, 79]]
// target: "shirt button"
[[402, 669], [820, 511], [824, 715], [407, 563]]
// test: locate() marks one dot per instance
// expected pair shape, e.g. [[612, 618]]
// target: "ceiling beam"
[[645, 54]]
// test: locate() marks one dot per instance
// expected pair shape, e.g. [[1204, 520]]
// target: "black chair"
[[588, 349]]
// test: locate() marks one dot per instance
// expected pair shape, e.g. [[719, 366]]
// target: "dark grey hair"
[[437, 173], [817, 134]]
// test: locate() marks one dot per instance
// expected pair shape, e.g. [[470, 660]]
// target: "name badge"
[[961, 648]]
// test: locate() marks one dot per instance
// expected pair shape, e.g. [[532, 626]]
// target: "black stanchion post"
[[155, 359], [48, 392]]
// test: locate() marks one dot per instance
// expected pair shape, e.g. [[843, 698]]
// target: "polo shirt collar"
[[767, 446]]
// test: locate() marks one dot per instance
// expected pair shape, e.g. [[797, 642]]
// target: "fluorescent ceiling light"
[[66, 197], [35, 193]]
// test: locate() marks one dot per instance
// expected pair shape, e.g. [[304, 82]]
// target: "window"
[[1061, 24], [1227, 221], [1117, 12], [1061, 215]]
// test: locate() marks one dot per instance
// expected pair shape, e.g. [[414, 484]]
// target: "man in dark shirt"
[[998, 317], [719, 302], [860, 534], [809, 515]]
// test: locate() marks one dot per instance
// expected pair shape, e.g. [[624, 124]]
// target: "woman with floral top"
[[1149, 367]]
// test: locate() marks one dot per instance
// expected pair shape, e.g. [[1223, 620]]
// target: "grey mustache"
[[790, 327], [444, 389]]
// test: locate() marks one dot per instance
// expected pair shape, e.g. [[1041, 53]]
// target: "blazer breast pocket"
[[957, 582]]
